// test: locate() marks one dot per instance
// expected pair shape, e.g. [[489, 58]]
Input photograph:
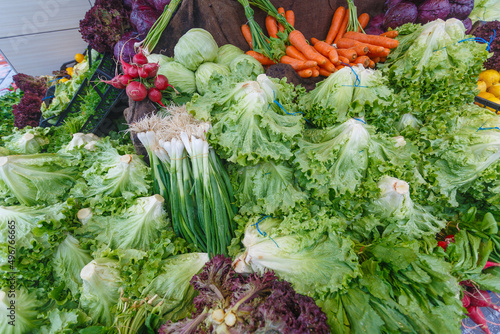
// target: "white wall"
[[38, 36]]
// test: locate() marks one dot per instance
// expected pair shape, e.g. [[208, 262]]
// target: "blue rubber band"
[[357, 82], [360, 120], [477, 40], [492, 128], [264, 234], [48, 97], [283, 108]]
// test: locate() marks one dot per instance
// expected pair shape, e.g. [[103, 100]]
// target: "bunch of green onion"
[[190, 176]]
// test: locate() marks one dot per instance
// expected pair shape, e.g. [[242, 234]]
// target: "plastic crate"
[[488, 103], [109, 97]]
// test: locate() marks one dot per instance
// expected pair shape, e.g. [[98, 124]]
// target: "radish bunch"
[[141, 80], [472, 300]]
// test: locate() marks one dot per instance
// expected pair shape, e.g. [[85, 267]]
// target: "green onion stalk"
[[146, 131], [201, 195], [197, 186], [353, 24], [154, 34], [134, 315]]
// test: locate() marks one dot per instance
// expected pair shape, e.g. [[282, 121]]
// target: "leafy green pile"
[[434, 67], [6, 103], [385, 218]]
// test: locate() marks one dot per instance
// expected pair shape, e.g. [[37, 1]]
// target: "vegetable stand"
[[343, 180]]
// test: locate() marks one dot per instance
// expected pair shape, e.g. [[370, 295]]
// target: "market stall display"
[[364, 201]]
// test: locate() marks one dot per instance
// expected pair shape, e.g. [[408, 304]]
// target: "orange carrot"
[[294, 53], [261, 58], [348, 53], [337, 19], [298, 64], [347, 43], [343, 60], [322, 47], [373, 39], [363, 20], [271, 26], [324, 72], [372, 64], [281, 11], [384, 53], [245, 30], [334, 56], [375, 59], [290, 17], [307, 73], [390, 34], [339, 67], [343, 27], [329, 66], [383, 59], [364, 60], [315, 72], [361, 50], [298, 40]]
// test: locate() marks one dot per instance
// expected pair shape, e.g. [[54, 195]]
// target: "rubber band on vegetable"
[[264, 234]]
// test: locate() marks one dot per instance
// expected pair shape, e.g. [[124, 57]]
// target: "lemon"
[[79, 57], [481, 85], [495, 90], [69, 70], [486, 95], [63, 80], [490, 77]]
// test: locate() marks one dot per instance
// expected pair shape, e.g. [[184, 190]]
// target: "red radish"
[[443, 244], [467, 283], [116, 82], [155, 95], [140, 59], [137, 91], [143, 73], [478, 317], [125, 66], [125, 79], [482, 298], [133, 72], [491, 264], [450, 238], [161, 82], [465, 300], [152, 69]]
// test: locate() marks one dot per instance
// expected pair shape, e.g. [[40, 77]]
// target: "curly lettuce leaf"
[[303, 249], [36, 179], [266, 188], [69, 259], [329, 102], [101, 289], [435, 67], [464, 162], [116, 175], [339, 159], [253, 121], [27, 140]]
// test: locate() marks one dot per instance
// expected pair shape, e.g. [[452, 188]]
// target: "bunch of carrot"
[[340, 48], [356, 46]]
